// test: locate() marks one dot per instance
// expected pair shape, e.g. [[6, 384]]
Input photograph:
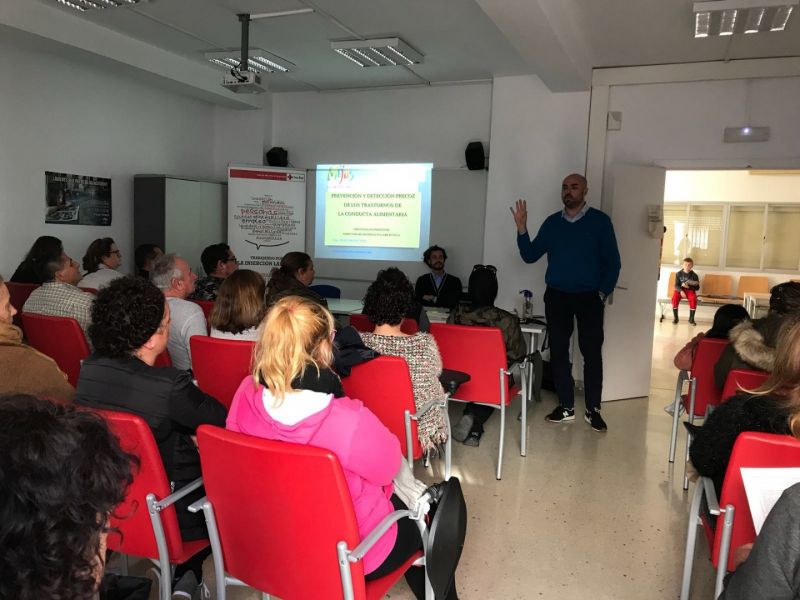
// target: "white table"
[[753, 301]]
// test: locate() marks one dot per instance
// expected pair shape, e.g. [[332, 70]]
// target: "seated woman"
[[33, 268], [753, 342], [25, 370], [101, 261], [293, 396], [385, 303], [130, 328], [239, 307], [726, 318], [482, 291], [53, 532], [292, 278], [772, 408]]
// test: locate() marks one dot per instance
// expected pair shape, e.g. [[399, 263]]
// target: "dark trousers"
[[407, 543], [561, 310]]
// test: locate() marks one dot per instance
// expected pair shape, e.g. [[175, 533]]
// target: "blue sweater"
[[581, 256]]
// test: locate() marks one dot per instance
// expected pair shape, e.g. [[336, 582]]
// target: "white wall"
[[431, 124], [241, 136], [64, 116], [537, 138]]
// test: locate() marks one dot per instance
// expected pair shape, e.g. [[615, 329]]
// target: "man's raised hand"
[[520, 213]]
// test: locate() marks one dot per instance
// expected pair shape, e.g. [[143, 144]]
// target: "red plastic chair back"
[[220, 365], [742, 379], [163, 359], [362, 322], [478, 351], [19, 293], [60, 338], [132, 518], [280, 509], [765, 450], [384, 386], [705, 357]]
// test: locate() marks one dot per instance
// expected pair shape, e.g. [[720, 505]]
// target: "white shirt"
[[185, 320], [248, 335], [100, 278]]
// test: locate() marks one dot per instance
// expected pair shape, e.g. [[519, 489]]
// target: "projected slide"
[[373, 212]]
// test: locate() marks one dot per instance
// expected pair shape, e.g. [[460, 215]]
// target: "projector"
[[243, 82]]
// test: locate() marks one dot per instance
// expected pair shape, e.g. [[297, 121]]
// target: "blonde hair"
[[295, 334], [784, 380]]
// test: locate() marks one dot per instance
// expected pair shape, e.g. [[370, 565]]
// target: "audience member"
[[62, 473], [59, 296], [293, 396], [101, 261], [482, 311], [385, 303], [130, 328], [772, 408], [753, 342], [687, 283], [33, 268], [239, 308], [144, 256], [26, 371], [292, 278], [174, 277], [725, 319], [437, 288], [770, 568], [218, 263]]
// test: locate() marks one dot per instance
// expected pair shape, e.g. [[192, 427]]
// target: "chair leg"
[[448, 445], [724, 549], [675, 417], [523, 438], [692, 386], [502, 439], [691, 541]]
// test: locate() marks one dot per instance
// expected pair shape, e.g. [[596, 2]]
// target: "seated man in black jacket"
[[130, 328], [437, 288]]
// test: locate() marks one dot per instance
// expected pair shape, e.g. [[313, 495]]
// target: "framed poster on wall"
[[266, 214], [77, 199]]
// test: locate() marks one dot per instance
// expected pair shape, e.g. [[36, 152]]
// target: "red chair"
[[742, 379], [278, 516], [60, 338], [207, 306], [220, 365], [734, 527], [19, 293], [163, 359], [362, 322], [146, 523], [90, 290], [481, 352], [384, 386], [701, 394]]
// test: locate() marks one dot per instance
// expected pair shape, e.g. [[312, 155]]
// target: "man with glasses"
[[582, 269], [437, 288], [218, 262]]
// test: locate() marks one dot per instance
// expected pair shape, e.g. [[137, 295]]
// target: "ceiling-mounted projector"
[[745, 134], [242, 82]]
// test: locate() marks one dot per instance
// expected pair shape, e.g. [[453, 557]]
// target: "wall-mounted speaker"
[[277, 157], [476, 159]]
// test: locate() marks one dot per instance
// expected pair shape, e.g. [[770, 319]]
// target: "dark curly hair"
[[62, 472], [426, 256], [124, 316], [389, 297], [212, 255]]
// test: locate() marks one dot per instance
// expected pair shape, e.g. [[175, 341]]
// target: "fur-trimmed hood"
[[749, 343]]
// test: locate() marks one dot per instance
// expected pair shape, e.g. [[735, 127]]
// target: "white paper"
[[763, 488]]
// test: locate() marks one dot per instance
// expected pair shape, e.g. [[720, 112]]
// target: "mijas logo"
[[339, 175]]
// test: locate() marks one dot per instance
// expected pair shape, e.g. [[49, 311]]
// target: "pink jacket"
[[368, 452]]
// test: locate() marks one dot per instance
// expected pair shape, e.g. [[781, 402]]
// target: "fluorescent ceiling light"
[[733, 17], [258, 60], [378, 52], [84, 5]]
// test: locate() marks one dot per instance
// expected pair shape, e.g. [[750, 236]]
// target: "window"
[[745, 236], [704, 234], [782, 238]]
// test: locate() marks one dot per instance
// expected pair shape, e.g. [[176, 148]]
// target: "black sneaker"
[[560, 415], [595, 420], [473, 439]]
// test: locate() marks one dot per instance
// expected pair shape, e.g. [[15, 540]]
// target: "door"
[[628, 346]]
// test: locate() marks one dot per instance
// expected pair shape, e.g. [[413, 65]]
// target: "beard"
[[570, 202]]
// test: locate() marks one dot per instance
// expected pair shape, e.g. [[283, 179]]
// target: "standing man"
[[174, 277], [582, 269], [218, 262], [437, 288]]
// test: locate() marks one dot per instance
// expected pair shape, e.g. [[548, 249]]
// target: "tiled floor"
[[584, 515]]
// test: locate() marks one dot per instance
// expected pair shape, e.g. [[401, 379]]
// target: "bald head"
[[573, 192]]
